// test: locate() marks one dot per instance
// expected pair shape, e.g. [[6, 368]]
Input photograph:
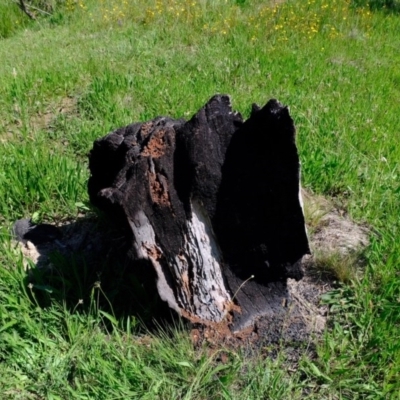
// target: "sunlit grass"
[[93, 66]]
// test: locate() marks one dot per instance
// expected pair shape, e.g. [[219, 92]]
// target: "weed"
[[335, 266], [383, 5], [315, 208]]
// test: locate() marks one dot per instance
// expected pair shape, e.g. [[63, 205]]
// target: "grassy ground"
[[92, 66]]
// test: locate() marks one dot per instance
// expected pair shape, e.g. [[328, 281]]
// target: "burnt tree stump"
[[213, 204]]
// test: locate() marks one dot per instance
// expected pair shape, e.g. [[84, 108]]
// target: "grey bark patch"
[[20, 228], [25, 230]]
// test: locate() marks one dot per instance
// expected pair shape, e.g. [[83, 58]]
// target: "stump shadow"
[[89, 267]]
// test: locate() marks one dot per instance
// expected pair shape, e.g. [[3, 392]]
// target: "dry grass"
[[336, 266], [315, 208]]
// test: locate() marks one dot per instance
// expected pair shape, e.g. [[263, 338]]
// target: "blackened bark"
[[210, 203]]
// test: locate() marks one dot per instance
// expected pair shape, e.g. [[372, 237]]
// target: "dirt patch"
[[43, 120], [39, 121], [337, 233]]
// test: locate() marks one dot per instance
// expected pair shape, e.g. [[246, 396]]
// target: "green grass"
[[93, 66]]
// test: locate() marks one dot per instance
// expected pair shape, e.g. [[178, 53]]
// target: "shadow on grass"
[[89, 268], [389, 6]]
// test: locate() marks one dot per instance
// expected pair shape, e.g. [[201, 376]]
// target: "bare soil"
[[43, 120]]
